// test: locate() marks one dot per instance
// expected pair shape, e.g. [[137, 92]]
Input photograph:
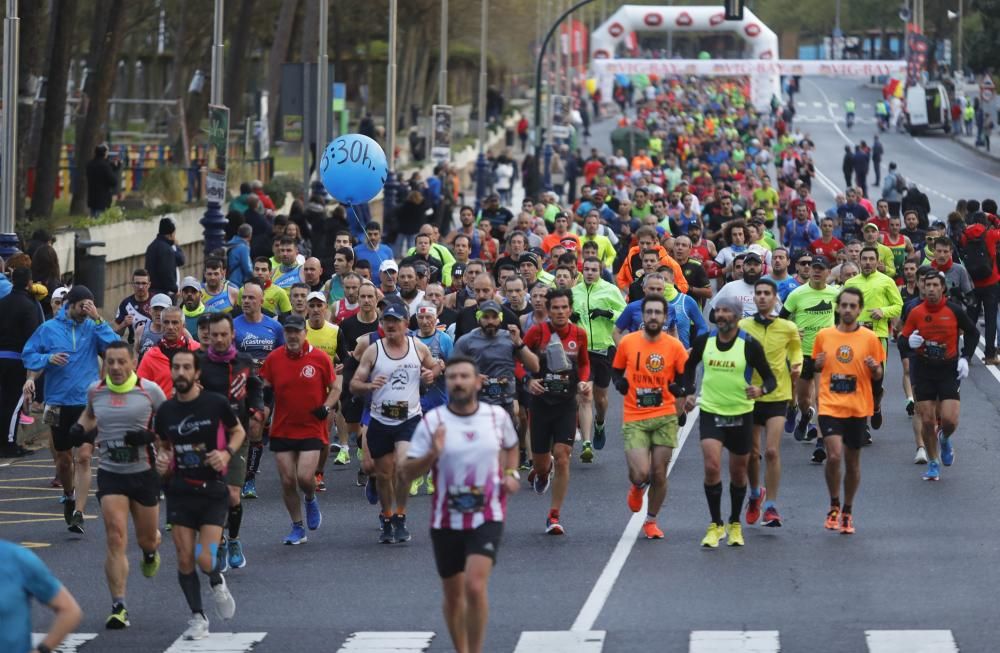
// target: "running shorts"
[[452, 547], [61, 419], [236, 472], [765, 410], [141, 487], [552, 424], [934, 382], [851, 429], [652, 432], [600, 369], [737, 438], [808, 369], [382, 438], [196, 510]]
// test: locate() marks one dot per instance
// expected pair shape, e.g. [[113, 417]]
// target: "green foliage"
[[280, 185], [163, 183]]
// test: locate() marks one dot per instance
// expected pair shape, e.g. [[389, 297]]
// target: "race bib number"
[[843, 383], [728, 421], [190, 456], [466, 499], [395, 409], [556, 383], [51, 416], [494, 387], [648, 397], [935, 350], [119, 452]]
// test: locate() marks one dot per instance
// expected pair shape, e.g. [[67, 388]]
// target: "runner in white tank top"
[[398, 400]]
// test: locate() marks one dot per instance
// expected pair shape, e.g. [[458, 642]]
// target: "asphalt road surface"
[[920, 574]]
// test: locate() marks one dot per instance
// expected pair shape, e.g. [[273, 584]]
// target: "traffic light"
[[734, 9]]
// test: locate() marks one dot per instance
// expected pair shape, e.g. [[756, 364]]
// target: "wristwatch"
[[513, 473]]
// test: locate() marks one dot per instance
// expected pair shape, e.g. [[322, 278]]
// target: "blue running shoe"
[[371, 491], [947, 449], [313, 516], [250, 489], [222, 557], [236, 558], [933, 472], [790, 416], [801, 428], [296, 536], [600, 435]]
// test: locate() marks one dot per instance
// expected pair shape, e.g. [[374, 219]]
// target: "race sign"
[[441, 133], [218, 147]]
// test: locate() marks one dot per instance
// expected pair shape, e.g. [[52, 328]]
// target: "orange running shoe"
[[753, 506], [833, 519], [846, 524], [652, 531], [635, 494]]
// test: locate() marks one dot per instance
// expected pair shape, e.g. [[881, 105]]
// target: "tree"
[[236, 70], [30, 66], [106, 39], [60, 48]]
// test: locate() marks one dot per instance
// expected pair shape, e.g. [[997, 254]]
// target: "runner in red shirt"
[[305, 391], [826, 245]]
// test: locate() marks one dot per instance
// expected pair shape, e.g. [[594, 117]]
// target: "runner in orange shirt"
[[848, 358], [645, 366]]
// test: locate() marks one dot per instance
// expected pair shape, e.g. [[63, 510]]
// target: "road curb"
[[978, 150]]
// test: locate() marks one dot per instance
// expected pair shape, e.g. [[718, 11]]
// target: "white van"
[[927, 107]]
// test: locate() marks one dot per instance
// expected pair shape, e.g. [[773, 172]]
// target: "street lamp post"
[[481, 167], [8, 178], [214, 222], [322, 79], [443, 56], [391, 190]]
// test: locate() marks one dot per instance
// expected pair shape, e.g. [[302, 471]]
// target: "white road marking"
[[981, 355], [964, 167], [560, 641], [387, 642], [818, 105], [910, 641], [606, 581], [734, 641], [218, 643], [71, 644]]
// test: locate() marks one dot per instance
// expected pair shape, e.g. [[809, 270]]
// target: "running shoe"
[[429, 485], [236, 558], [76, 523], [933, 472], [552, 525], [819, 454], [361, 479], [68, 502], [652, 531], [320, 482], [754, 504], [540, 482], [222, 557], [790, 414], [313, 516], [600, 435], [197, 627], [371, 490], [296, 536], [921, 457], [400, 533], [867, 442], [635, 494], [812, 433], [734, 532], [524, 462], [771, 517], [55, 482], [118, 619], [804, 419], [26, 420], [833, 519], [250, 489], [415, 486], [910, 408], [713, 535], [150, 566], [343, 457], [225, 605], [168, 527], [359, 453], [386, 536], [846, 524], [876, 419], [587, 455], [947, 449]]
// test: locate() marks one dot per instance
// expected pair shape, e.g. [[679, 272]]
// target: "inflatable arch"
[[761, 41]]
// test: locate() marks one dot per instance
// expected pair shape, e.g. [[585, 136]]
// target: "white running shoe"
[[921, 457], [197, 627], [225, 604]]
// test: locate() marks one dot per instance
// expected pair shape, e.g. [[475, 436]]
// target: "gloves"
[[621, 385], [915, 340], [963, 369], [77, 435], [600, 312], [139, 437], [321, 412], [682, 419], [574, 317], [676, 389]]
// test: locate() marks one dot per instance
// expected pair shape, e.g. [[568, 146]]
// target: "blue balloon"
[[353, 168]]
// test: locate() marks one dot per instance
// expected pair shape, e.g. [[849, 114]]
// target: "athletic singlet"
[[220, 303], [727, 375], [149, 338], [342, 310], [118, 413], [286, 278], [324, 338], [898, 252], [399, 399]]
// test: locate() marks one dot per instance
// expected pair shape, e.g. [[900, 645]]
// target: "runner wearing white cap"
[[325, 336]]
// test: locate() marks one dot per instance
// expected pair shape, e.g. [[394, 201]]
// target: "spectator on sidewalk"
[[163, 258], [238, 260], [20, 315], [102, 181]]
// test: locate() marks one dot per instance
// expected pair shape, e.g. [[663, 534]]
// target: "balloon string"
[[364, 227]]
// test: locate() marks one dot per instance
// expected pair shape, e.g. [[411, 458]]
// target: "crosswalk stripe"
[[386, 642], [734, 641], [561, 641], [910, 641], [218, 643], [71, 644]]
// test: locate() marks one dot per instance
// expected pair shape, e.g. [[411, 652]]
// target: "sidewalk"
[[969, 143]]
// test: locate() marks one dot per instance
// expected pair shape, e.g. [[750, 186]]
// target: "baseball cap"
[[528, 257], [869, 226], [295, 323], [752, 257], [490, 305], [59, 293], [388, 265], [190, 282], [159, 300], [820, 262], [395, 310], [458, 269], [316, 295]]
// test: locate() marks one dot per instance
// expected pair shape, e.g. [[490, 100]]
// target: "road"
[[922, 567]]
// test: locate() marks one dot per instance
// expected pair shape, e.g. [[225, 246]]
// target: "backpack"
[[978, 261], [900, 183]]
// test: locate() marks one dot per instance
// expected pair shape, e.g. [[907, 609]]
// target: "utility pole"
[[481, 161], [443, 57], [391, 184], [214, 222], [322, 79], [958, 57], [8, 185]]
